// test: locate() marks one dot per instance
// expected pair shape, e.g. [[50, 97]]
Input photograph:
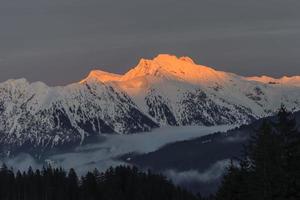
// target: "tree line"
[[269, 168], [120, 183]]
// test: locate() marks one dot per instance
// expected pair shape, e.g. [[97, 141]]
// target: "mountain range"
[[164, 91]]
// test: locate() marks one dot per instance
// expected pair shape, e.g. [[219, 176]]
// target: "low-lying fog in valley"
[[105, 153]]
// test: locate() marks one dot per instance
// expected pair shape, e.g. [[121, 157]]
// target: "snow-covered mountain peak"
[[285, 80], [14, 82], [172, 67], [22, 85], [187, 59], [101, 76], [164, 66], [167, 58]]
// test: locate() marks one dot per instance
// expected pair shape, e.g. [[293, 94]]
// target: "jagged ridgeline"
[[160, 92]]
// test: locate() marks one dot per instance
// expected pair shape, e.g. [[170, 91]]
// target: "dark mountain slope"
[[200, 154]]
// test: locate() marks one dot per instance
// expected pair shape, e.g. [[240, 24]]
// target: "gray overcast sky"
[[60, 41]]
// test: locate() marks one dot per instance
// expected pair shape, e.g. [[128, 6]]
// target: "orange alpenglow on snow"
[[165, 66], [293, 80], [102, 76]]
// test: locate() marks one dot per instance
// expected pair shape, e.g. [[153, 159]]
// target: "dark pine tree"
[[231, 184], [287, 128], [265, 158], [72, 185], [270, 169]]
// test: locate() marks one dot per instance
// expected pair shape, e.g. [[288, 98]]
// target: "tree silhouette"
[[126, 183], [270, 168]]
